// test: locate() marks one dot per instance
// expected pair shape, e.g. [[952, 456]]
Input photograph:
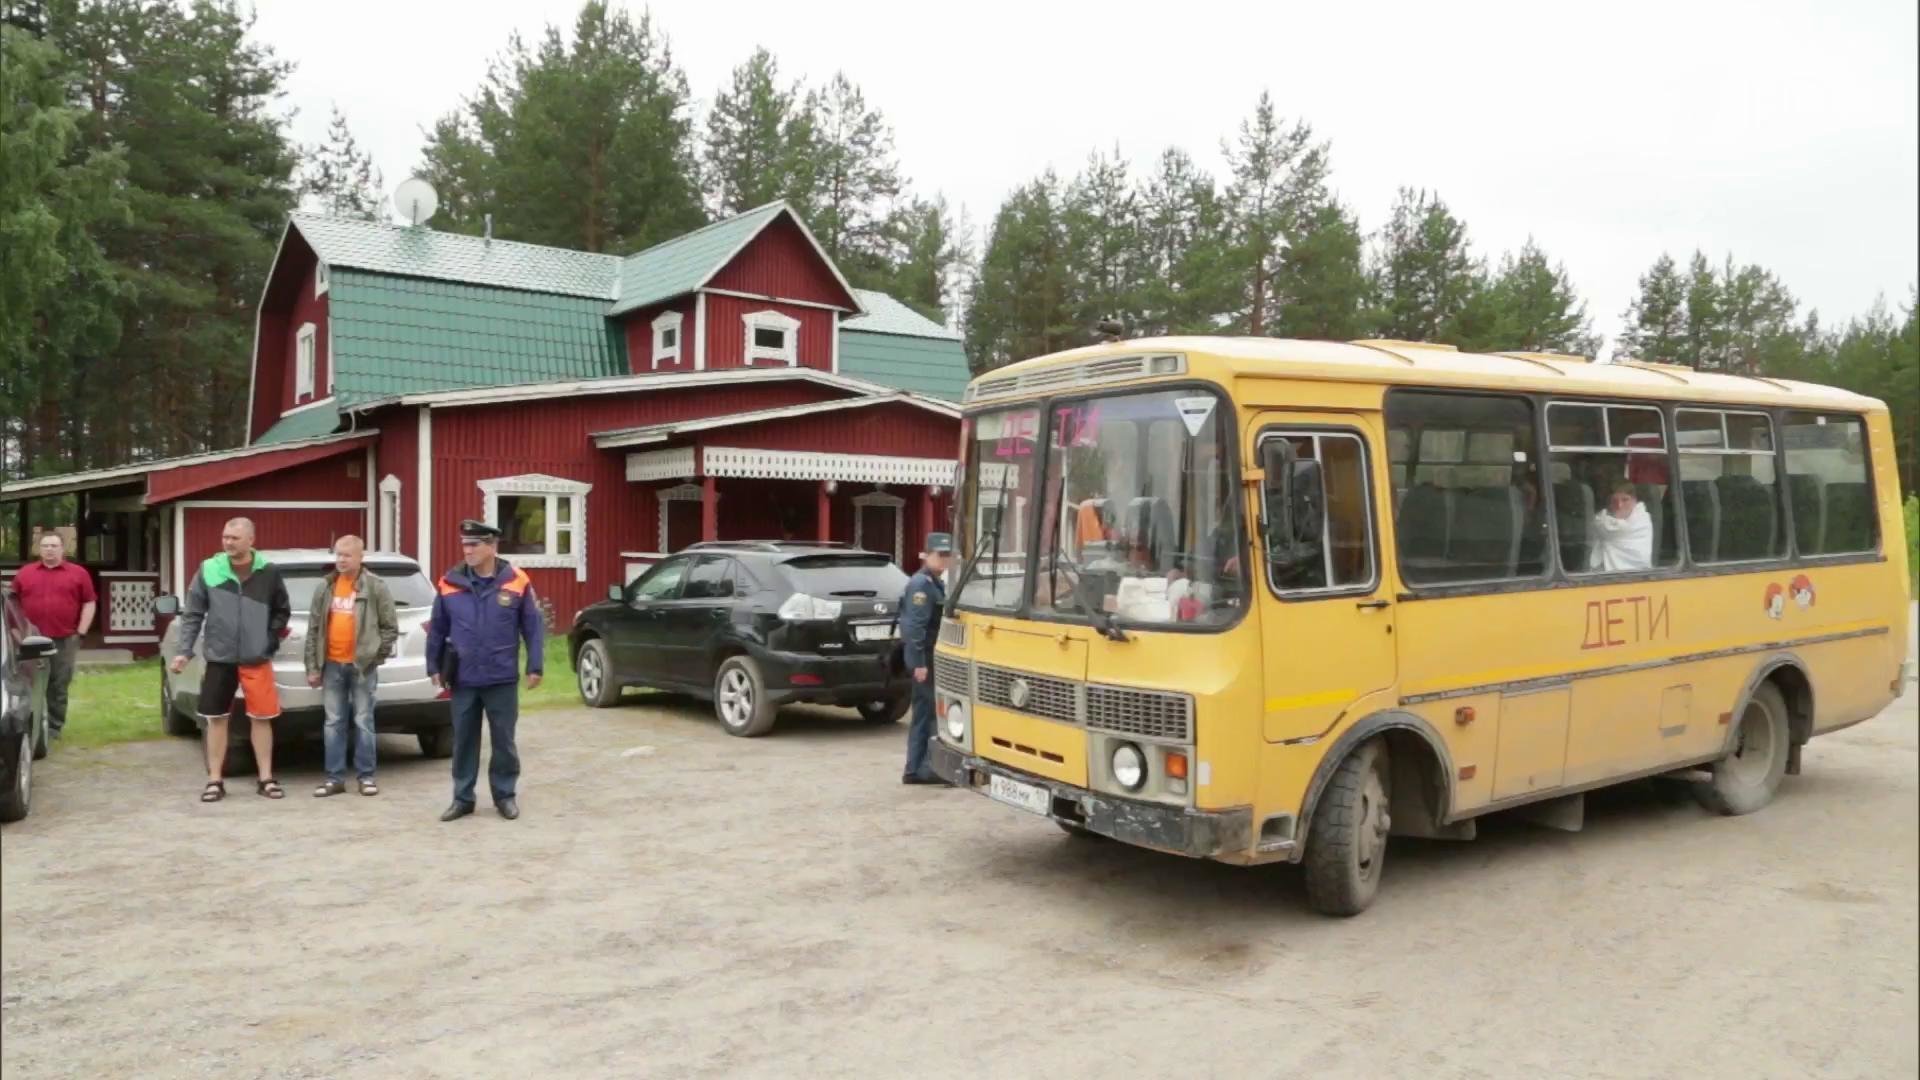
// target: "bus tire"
[[1347, 841], [1745, 780]]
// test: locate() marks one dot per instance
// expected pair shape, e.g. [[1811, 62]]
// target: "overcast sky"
[[1782, 133]]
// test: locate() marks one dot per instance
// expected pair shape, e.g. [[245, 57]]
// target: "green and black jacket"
[[235, 622]]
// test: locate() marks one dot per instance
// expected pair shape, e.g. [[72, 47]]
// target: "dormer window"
[[666, 339], [772, 338], [303, 364]]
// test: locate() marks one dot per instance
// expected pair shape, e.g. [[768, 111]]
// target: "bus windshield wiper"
[[973, 565]]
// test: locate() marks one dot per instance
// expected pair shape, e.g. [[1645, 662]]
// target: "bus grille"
[[1148, 714], [1055, 699], [950, 675]]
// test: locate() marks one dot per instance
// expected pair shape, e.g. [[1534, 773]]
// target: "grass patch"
[[1912, 512], [556, 689], [113, 704]]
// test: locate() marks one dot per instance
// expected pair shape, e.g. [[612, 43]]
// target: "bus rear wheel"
[[1347, 842], [1745, 780]]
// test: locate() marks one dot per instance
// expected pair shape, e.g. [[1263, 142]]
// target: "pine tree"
[[760, 142], [1279, 178], [338, 178], [1702, 344], [1021, 299], [1322, 282], [1535, 306], [853, 178], [1656, 320], [1425, 276], [58, 293], [1185, 260], [193, 98], [932, 259], [583, 141], [1102, 222]]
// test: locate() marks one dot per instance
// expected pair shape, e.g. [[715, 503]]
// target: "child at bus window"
[[1621, 536]]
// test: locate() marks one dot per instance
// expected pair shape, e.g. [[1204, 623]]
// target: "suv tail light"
[[803, 608]]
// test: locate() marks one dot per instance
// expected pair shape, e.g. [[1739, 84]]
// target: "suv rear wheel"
[[17, 763], [437, 743], [740, 699]]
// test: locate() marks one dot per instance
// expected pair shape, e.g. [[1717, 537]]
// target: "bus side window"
[[1830, 484], [1474, 510], [1317, 522]]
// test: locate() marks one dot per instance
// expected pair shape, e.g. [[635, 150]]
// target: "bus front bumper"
[[1177, 830]]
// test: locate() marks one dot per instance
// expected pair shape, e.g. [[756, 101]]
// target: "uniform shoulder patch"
[[919, 599]]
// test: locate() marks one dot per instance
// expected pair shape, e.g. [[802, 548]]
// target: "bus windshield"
[[1136, 511]]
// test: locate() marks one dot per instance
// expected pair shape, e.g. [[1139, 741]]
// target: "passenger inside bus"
[[1621, 536]]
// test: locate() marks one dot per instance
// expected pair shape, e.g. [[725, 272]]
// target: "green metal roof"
[[399, 335], [418, 251], [307, 424], [885, 315], [679, 266], [936, 367]]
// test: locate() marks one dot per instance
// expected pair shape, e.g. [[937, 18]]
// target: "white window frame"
[[772, 320], [688, 492], [304, 359], [881, 500], [389, 517], [670, 321], [320, 282], [553, 489]]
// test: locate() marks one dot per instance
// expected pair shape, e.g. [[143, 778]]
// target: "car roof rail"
[[764, 545]]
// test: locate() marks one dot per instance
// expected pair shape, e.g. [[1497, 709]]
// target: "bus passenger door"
[[1327, 620]]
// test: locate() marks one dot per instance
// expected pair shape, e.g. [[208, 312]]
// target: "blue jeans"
[[348, 692], [920, 730], [501, 704]]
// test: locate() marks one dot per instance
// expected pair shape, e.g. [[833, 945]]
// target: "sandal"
[[270, 788], [213, 792], [330, 787], [368, 787]]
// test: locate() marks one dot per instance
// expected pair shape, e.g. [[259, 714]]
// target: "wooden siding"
[[271, 372], [476, 443], [305, 308], [397, 453], [639, 334], [272, 528], [305, 473], [727, 332], [781, 263], [889, 430]]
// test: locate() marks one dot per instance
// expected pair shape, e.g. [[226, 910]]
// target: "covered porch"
[[817, 472]]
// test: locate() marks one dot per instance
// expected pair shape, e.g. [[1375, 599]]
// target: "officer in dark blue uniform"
[[484, 609], [920, 608]]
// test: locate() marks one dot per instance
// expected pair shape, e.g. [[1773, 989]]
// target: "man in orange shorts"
[[236, 609]]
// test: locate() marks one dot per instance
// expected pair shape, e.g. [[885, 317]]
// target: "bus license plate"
[[873, 632], [1028, 797]]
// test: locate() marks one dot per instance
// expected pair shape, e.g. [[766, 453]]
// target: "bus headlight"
[[1129, 766], [956, 721]]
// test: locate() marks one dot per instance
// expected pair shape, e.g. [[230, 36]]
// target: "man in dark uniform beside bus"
[[920, 608], [485, 608]]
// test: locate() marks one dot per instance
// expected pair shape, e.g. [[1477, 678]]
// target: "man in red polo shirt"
[[58, 598]]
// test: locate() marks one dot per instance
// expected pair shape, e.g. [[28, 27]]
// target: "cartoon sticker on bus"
[[1776, 601], [1802, 590]]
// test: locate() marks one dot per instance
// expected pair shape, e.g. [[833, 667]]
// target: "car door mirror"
[[36, 647], [166, 605], [616, 593]]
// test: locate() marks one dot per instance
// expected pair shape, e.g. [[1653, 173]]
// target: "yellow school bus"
[[1276, 601]]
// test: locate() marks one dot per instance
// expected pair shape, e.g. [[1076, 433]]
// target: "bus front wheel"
[[1347, 842], [1745, 780]]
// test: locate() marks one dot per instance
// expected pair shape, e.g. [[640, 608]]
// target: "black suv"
[[752, 625], [23, 705]]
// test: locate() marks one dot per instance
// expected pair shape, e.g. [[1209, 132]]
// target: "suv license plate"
[[873, 631], [1029, 797]]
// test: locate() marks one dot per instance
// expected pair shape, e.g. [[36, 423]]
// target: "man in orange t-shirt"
[[351, 629]]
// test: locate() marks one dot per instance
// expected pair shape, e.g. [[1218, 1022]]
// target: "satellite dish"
[[415, 200]]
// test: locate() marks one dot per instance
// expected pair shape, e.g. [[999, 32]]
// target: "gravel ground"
[[675, 902]]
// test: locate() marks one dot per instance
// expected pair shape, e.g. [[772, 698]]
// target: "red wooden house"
[[601, 409]]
